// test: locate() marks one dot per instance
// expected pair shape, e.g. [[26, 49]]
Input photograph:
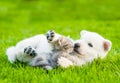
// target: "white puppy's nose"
[[77, 45]]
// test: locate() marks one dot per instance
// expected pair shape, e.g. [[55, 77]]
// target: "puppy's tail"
[[11, 54]]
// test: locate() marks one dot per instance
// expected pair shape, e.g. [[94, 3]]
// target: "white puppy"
[[89, 47]]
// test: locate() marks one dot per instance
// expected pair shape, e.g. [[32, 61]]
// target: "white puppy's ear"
[[83, 32], [107, 45]]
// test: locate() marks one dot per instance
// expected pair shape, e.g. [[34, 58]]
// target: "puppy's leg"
[[59, 40], [24, 54], [52, 36], [30, 51], [54, 39], [15, 53], [64, 62]]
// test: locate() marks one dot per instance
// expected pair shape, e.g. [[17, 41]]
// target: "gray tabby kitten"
[[62, 46]]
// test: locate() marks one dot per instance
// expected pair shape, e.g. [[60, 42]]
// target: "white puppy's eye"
[[89, 44]]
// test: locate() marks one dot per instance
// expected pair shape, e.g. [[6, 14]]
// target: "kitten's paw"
[[50, 35], [30, 51]]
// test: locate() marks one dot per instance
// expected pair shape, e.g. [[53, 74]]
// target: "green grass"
[[20, 19]]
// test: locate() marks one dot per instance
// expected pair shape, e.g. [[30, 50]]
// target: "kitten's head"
[[64, 44]]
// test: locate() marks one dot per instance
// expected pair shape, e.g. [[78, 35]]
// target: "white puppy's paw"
[[50, 35], [63, 62], [30, 51]]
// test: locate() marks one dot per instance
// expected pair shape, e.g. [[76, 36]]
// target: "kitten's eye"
[[66, 46], [89, 44]]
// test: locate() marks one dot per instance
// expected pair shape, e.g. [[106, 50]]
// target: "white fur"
[[85, 52], [64, 62], [38, 42]]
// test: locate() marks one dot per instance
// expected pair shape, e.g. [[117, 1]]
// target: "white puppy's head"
[[92, 45]]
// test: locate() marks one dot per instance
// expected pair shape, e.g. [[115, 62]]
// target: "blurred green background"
[[20, 19], [26, 18], [52, 10]]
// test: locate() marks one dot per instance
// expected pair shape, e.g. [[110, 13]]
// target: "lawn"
[[20, 19]]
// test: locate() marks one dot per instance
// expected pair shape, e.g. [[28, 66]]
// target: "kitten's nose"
[[77, 45]]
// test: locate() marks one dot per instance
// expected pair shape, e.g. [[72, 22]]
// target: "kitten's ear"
[[83, 32], [107, 45], [60, 41]]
